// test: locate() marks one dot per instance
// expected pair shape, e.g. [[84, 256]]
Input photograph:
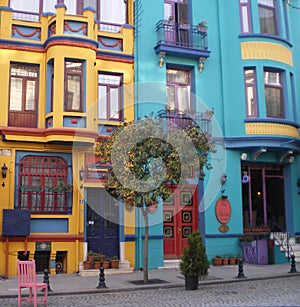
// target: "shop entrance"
[[180, 220], [263, 196]]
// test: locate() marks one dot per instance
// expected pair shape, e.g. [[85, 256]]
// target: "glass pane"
[[114, 103], [71, 6], [49, 5], [113, 11], [273, 102], [183, 96], [102, 104], [272, 77], [171, 96], [30, 96], [15, 94], [267, 21], [28, 5], [73, 101], [179, 76], [245, 19], [250, 101]]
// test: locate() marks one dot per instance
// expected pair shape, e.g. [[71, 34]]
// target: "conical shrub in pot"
[[194, 262]]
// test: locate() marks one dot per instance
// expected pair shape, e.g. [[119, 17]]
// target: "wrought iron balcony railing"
[[181, 35]]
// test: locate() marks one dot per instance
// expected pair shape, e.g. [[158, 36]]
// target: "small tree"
[[194, 262], [145, 162]]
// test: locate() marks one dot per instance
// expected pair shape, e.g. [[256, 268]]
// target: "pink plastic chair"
[[27, 279]]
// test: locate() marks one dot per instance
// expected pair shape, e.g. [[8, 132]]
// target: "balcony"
[[181, 40], [183, 119]]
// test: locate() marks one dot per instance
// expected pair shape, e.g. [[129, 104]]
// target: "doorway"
[[263, 196], [102, 226], [180, 220]]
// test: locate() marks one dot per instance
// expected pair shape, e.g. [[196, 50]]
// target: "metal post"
[[293, 265], [101, 284], [241, 270], [46, 279]]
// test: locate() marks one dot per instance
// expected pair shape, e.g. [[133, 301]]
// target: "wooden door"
[[180, 220]]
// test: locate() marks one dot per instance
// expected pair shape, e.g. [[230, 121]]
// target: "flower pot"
[[106, 264], [191, 283], [86, 265], [225, 261], [217, 261], [97, 265], [114, 264], [232, 261]]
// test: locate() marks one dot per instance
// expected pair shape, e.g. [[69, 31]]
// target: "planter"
[[202, 29], [114, 264], [225, 261], [86, 265], [217, 261], [97, 265], [106, 264], [191, 283], [184, 27], [232, 261], [90, 258]]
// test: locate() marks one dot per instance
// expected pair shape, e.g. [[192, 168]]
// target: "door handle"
[[178, 230]]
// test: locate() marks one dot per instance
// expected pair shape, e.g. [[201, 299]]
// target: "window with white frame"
[[274, 93], [109, 96]]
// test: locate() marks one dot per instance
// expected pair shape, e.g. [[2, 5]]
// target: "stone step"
[[170, 264]]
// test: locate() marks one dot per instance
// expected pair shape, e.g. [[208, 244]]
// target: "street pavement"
[[220, 288]]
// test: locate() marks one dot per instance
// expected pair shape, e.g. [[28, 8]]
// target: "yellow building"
[[66, 79]]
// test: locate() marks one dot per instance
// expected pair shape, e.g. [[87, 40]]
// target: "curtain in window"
[[113, 11], [73, 92], [71, 6], [28, 5], [183, 96], [15, 94], [273, 102], [49, 5]]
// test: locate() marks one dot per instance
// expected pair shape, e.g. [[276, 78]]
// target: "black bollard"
[[293, 265], [241, 270], [101, 284], [46, 279]]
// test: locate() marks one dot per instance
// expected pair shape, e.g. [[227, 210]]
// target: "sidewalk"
[[74, 283]]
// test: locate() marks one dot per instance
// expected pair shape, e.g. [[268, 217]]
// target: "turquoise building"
[[237, 58]]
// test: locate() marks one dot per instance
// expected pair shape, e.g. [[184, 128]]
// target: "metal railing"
[[175, 34]]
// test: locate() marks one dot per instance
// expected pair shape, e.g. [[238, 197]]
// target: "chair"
[[27, 279]]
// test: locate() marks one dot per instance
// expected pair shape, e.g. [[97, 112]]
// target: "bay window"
[[267, 17]]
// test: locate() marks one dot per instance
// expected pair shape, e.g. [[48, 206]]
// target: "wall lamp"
[[4, 170], [223, 179], [81, 174], [258, 153], [201, 63], [289, 153]]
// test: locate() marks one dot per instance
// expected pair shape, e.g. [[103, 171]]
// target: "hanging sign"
[[223, 210]]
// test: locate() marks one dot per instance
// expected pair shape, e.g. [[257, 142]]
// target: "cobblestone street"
[[268, 292]]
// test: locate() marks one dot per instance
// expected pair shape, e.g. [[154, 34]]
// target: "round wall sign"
[[223, 210]]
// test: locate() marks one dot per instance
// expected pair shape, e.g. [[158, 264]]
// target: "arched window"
[[43, 184]]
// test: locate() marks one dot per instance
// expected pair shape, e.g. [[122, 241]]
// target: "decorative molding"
[[17, 29], [266, 51], [271, 128], [82, 26]]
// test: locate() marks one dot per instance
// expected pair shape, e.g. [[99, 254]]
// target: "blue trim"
[[272, 120], [89, 8], [71, 38], [153, 237], [45, 14], [126, 25], [49, 225], [129, 238], [52, 264], [126, 56], [283, 40], [225, 235], [13, 43], [60, 5], [6, 8]]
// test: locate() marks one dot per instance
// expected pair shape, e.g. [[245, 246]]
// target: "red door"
[[180, 220]]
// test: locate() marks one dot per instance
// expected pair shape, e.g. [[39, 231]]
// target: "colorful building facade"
[[239, 59], [67, 74]]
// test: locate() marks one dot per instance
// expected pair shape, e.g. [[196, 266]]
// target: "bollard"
[[241, 270], [101, 284], [46, 279], [293, 265]]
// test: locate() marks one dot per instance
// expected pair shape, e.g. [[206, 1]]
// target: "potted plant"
[[194, 262], [183, 25], [86, 265], [202, 26], [106, 263], [97, 261], [114, 262], [225, 259], [232, 259], [217, 260], [91, 256]]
